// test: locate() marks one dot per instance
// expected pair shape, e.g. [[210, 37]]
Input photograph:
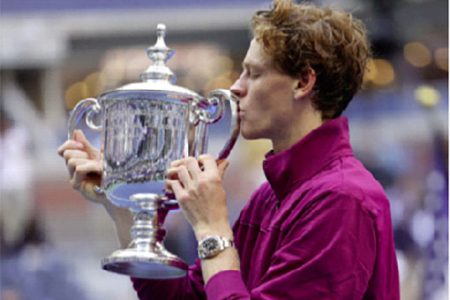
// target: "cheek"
[[260, 98], [270, 99]]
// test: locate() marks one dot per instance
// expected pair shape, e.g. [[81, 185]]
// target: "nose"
[[238, 88]]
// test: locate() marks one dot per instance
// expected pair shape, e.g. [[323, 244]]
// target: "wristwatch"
[[210, 246]]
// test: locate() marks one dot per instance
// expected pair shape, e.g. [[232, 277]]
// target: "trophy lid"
[[158, 77]]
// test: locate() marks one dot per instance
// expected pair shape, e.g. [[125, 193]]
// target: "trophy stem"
[[147, 228], [146, 256]]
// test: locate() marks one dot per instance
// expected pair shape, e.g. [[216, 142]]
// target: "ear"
[[305, 84]]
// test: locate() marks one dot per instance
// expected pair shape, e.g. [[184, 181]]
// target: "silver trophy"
[[145, 126]]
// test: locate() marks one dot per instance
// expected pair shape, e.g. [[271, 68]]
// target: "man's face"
[[266, 97]]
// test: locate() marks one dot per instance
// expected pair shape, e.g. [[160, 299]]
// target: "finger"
[[183, 176], [176, 163], [209, 163], [222, 166], [193, 167], [68, 154], [69, 144], [73, 163], [85, 170], [178, 190], [79, 136]]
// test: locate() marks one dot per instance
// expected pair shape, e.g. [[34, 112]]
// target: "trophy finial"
[[159, 53], [161, 30], [160, 43]]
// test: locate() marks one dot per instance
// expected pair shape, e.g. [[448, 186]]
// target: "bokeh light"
[[417, 54], [380, 72], [427, 95], [441, 58]]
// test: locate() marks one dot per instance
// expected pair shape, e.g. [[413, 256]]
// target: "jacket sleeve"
[[326, 251], [186, 288]]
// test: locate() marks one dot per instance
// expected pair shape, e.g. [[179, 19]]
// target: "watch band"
[[211, 246]]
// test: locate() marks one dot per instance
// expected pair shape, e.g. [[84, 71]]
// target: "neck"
[[307, 121]]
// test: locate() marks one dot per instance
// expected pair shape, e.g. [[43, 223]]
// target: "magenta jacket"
[[319, 228]]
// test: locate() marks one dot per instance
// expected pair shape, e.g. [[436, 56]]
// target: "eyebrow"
[[247, 65]]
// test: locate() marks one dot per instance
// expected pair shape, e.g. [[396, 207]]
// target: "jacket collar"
[[289, 168]]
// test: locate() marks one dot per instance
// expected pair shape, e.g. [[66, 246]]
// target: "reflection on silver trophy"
[[144, 127]]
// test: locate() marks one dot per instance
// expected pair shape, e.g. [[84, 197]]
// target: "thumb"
[[222, 166], [79, 136]]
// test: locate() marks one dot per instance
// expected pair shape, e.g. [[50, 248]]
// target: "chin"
[[251, 134]]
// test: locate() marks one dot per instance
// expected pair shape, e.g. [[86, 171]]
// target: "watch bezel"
[[206, 251]]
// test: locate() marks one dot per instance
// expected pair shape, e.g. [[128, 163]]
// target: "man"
[[320, 227]]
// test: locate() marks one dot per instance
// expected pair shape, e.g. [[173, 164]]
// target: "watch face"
[[213, 245], [210, 244]]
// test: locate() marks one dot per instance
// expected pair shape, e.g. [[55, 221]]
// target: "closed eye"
[[251, 71], [252, 74]]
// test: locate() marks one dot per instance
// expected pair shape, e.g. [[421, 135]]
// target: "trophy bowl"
[[144, 127]]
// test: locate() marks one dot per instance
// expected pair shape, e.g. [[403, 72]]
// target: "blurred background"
[[55, 53]]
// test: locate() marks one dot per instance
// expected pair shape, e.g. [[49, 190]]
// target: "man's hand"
[[197, 185], [84, 166]]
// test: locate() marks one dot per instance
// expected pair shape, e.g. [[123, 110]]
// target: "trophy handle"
[[218, 98], [88, 109]]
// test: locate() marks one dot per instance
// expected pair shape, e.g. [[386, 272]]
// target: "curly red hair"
[[331, 42]]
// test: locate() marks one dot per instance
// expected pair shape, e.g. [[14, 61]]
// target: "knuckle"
[[181, 168], [206, 156], [215, 178], [71, 162], [79, 169], [67, 154], [174, 163], [192, 191], [190, 159], [183, 197], [202, 182]]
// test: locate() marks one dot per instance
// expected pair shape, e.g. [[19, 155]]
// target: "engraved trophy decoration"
[[144, 126]]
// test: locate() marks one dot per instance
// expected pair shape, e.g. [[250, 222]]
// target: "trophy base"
[[144, 264]]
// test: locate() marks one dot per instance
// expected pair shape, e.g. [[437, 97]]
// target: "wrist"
[[211, 246], [224, 230]]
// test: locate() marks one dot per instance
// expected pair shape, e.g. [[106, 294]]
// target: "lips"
[[240, 111], [241, 114]]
